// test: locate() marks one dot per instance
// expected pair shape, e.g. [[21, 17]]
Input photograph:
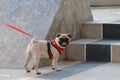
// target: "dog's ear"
[[58, 35], [69, 35]]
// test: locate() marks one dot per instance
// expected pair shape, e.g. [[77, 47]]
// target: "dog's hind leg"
[[28, 58]]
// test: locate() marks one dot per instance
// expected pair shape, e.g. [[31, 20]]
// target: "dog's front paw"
[[28, 71], [58, 70], [53, 68], [38, 73]]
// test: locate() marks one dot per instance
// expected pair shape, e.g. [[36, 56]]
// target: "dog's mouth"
[[63, 42]]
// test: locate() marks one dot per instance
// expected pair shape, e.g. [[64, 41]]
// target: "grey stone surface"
[[71, 70], [20, 74], [104, 2], [92, 31], [75, 52], [80, 71], [109, 14], [115, 53], [32, 16], [109, 71], [69, 18]]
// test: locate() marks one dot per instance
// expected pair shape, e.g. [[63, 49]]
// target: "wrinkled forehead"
[[64, 36]]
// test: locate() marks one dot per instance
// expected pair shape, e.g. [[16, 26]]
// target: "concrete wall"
[[39, 18], [69, 18], [33, 16], [104, 2]]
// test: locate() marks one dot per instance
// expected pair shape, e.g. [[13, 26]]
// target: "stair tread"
[[83, 41], [97, 41], [105, 22], [106, 41]]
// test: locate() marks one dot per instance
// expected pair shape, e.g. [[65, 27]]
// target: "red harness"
[[60, 50], [54, 44]]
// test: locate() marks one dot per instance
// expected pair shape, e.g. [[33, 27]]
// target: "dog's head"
[[63, 39]]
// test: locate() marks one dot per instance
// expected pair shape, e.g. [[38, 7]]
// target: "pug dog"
[[46, 49]]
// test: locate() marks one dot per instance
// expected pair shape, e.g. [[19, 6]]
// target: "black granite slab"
[[98, 52], [111, 31]]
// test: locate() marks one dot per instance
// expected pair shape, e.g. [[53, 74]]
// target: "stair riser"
[[76, 52], [96, 52], [92, 31], [115, 53], [111, 31]]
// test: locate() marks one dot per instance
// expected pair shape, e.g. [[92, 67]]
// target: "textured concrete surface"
[[109, 71], [109, 14], [75, 52], [116, 53], [36, 17], [33, 16], [74, 69], [20, 74], [92, 31], [69, 18], [71, 71], [104, 2]]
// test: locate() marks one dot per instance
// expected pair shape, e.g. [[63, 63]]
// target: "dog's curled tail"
[[34, 40]]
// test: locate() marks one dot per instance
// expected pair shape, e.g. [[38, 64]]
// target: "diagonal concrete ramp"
[[32, 16]]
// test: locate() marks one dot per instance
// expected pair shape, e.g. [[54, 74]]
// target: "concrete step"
[[104, 2], [99, 38], [93, 30], [76, 50], [101, 50]]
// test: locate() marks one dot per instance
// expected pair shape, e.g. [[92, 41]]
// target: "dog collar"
[[60, 50]]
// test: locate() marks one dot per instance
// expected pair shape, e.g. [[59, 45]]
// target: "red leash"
[[19, 30]]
